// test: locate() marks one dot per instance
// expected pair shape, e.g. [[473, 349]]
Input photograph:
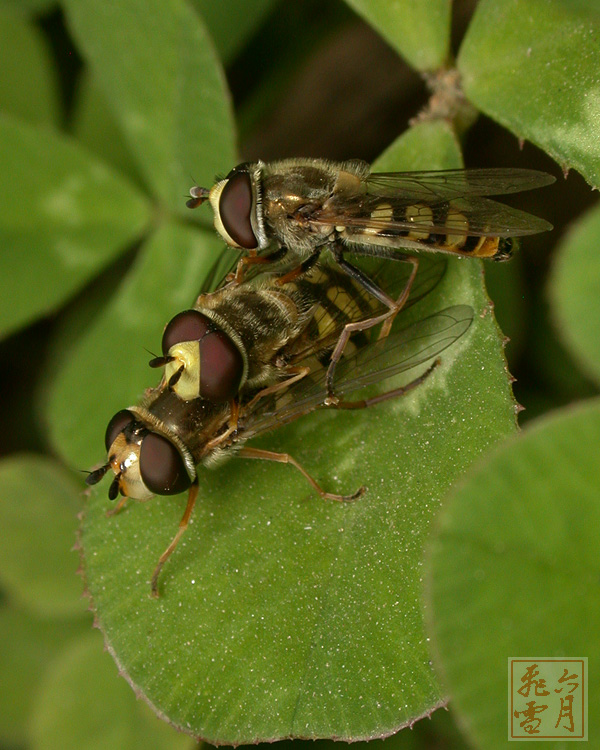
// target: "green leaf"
[[84, 705], [505, 285], [575, 292], [38, 516], [27, 644], [513, 568], [283, 615], [28, 6], [532, 65], [232, 22], [62, 223], [95, 128], [107, 369], [427, 145], [27, 86], [419, 32], [158, 72]]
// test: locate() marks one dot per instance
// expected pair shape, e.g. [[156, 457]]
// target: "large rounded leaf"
[[513, 568], [27, 644], [63, 216], [232, 22], [285, 615], [158, 71], [532, 65], [420, 33], [82, 704], [27, 87], [38, 517], [575, 292]]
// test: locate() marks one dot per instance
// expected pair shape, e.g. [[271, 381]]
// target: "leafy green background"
[[281, 615]]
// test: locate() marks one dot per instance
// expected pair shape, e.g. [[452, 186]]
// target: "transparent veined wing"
[[398, 215], [401, 351], [456, 183]]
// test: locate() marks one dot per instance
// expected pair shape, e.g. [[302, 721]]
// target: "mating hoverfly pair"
[[304, 329]]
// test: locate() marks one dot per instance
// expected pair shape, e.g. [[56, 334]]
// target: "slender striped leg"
[[386, 318], [183, 524], [285, 458]]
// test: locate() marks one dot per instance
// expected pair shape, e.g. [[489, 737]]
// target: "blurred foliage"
[[106, 112]]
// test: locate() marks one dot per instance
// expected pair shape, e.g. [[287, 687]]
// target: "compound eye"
[[189, 325], [221, 367], [116, 426], [235, 206], [161, 466]]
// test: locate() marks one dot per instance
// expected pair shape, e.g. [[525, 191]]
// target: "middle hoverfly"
[[292, 209], [252, 356]]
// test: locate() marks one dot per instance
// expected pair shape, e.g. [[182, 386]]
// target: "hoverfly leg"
[[231, 428], [298, 271], [253, 259], [183, 524], [403, 390], [401, 301], [386, 318], [285, 458], [297, 374], [118, 507]]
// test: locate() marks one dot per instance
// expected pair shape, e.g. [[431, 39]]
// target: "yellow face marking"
[[214, 197], [421, 215], [126, 457], [187, 355], [456, 220]]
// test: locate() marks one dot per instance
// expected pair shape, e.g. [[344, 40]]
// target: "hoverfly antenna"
[[160, 361], [113, 490], [174, 379], [198, 196], [93, 477]]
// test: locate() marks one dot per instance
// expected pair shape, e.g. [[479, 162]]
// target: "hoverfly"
[[250, 357], [290, 210]]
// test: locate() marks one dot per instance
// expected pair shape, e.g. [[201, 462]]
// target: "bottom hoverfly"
[[259, 354]]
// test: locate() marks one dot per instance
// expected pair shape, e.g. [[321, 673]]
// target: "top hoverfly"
[[291, 209], [252, 356]]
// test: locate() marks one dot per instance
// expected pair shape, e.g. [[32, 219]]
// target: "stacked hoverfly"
[[298, 326]]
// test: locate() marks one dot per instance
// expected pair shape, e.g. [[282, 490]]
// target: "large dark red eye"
[[221, 367], [116, 425], [189, 325], [161, 466], [235, 206]]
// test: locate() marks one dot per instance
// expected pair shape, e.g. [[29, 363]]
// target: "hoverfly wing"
[[410, 347], [400, 216], [401, 351], [456, 183]]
